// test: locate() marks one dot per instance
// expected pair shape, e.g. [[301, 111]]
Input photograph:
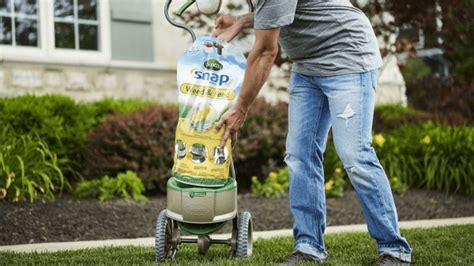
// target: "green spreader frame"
[[180, 182]]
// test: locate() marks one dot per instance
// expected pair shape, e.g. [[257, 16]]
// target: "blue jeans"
[[345, 102]]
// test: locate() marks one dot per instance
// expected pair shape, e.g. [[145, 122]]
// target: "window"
[[19, 23], [76, 24], [81, 32]]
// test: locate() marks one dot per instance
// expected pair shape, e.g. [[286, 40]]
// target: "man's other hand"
[[232, 121]]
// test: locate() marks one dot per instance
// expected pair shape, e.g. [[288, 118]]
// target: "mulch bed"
[[68, 219]]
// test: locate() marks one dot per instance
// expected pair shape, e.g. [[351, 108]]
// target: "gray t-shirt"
[[321, 37]]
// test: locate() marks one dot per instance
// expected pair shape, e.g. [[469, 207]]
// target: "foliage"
[[62, 123], [450, 98], [390, 116], [28, 168], [423, 155], [335, 183], [456, 32], [261, 143], [275, 184], [126, 185], [116, 106], [415, 69], [57, 120], [458, 36], [141, 142], [430, 155]]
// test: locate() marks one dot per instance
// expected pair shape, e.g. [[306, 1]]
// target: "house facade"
[[88, 49], [91, 49]]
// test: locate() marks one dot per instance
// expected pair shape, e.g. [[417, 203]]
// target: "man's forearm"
[[259, 64], [246, 20]]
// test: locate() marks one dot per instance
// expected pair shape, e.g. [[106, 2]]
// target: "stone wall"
[[85, 83]]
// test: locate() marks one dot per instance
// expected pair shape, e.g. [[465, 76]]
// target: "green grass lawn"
[[452, 245]]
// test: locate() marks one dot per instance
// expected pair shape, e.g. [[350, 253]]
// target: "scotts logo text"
[[213, 64]]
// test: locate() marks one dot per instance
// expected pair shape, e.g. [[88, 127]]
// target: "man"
[[334, 74]]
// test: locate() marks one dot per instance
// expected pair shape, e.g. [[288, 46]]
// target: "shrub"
[[275, 184], [126, 185], [261, 144], [390, 116], [449, 98], [28, 168], [105, 107], [430, 155], [59, 121], [141, 142], [335, 183]]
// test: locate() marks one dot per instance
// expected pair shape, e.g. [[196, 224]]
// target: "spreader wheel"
[[244, 235], [163, 236]]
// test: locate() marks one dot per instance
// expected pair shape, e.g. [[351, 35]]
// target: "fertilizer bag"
[[210, 75]]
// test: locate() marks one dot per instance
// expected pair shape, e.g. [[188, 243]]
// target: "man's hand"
[[232, 121], [227, 27]]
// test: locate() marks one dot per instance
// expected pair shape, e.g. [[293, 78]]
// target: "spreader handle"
[[176, 24], [184, 7], [181, 11]]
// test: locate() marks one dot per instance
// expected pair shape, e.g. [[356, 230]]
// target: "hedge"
[[59, 121], [110, 136]]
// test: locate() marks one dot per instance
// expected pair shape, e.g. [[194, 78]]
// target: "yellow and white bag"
[[210, 75]]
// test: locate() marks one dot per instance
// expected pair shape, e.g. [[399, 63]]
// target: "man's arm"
[[259, 64], [227, 27]]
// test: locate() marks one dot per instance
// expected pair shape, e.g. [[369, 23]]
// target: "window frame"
[[76, 22], [46, 52], [12, 15], [164, 59]]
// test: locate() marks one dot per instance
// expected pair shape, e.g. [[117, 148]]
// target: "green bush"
[[116, 106], [390, 116], [57, 120], [430, 155], [62, 123], [126, 185], [275, 184], [138, 136], [335, 184], [141, 142], [421, 155], [28, 168]]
